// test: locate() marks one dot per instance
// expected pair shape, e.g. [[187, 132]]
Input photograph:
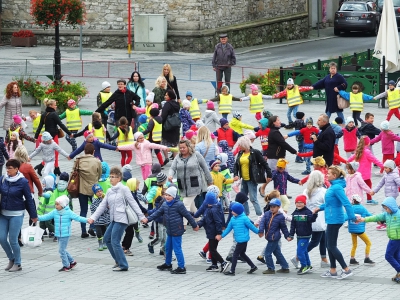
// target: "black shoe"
[[289, 197], [91, 232], [261, 259], [164, 267], [252, 270], [171, 157], [353, 262], [229, 258], [57, 171], [179, 270], [151, 248], [64, 269], [162, 252], [229, 273], [55, 239], [84, 235], [39, 169]]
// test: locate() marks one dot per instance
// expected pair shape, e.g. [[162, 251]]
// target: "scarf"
[[15, 178]]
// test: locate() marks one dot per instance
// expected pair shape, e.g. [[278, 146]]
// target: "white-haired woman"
[[160, 90], [171, 80], [247, 165], [205, 145]]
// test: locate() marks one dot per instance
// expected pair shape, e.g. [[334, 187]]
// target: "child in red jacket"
[[350, 135]]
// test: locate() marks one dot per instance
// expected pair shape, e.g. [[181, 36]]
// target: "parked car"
[[357, 16], [396, 4]]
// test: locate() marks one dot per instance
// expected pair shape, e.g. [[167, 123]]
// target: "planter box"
[[23, 41], [28, 100]]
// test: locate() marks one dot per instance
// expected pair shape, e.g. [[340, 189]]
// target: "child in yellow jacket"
[[237, 125], [218, 178]]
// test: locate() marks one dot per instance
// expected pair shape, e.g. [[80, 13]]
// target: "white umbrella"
[[387, 41]]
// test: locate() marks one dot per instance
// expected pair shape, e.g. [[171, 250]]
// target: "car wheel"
[[376, 30], [336, 31]]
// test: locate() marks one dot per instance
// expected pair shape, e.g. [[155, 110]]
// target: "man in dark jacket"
[[125, 102], [223, 60], [324, 143]]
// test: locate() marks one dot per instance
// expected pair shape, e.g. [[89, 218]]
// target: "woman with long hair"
[[159, 90], [12, 103], [170, 138], [136, 85], [205, 145], [171, 80]]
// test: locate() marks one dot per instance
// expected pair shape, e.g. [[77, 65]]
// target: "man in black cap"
[[224, 57]]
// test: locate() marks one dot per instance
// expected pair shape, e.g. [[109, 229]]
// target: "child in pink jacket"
[[387, 137], [355, 184], [364, 156]]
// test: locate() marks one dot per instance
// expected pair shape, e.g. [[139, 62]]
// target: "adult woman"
[[160, 90], [205, 145], [115, 200], [332, 83], [192, 174], [12, 103], [136, 85], [171, 80], [247, 164], [15, 198], [277, 145], [169, 138], [50, 120], [335, 199], [89, 174]]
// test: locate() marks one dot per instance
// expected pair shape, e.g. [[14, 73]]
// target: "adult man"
[[324, 143], [125, 102], [224, 57]]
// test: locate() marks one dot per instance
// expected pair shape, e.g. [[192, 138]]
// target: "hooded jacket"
[[387, 139], [272, 225], [213, 220], [356, 185], [391, 181], [211, 120], [358, 227], [280, 180], [186, 120], [143, 153], [240, 225]]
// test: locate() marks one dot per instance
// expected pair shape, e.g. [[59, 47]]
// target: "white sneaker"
[[295, 262], [345, 274], [328, 274], [325, 264]]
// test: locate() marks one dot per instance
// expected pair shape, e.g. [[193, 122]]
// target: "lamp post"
[[57, 55]]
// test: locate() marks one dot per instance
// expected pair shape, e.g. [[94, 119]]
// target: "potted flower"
[[23, 38], [267, 83], [31, 90]]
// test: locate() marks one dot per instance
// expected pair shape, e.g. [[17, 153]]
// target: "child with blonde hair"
[[97, 127], [13, 144]]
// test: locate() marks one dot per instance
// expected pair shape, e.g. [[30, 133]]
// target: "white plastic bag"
[[32, 236], [236, 186]]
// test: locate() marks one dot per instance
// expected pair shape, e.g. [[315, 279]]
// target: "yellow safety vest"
[[121, 137], [156, 132], [256, 103], [104, 96], [98, 133], [148, 108], [293, 96], [195, 109], [16, 130], [225, 104], [393, 98], [35, 124], [356, 101], [74, 121]]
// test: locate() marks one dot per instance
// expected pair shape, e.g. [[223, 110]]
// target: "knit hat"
[[137, 135], [253, 87], [210, 199], [213, 189], [250, 134], [48, 182], [155, 105], [389, 164], [171, 191], [189, 134], [142, 119], [64, 176], [213, 163], [154, 112], [189, 93], [236, 114], [339, 120], [264, 123], [96, 187], [71, 102], [131, 184], [319, 161], [391, 82], [385, 125], [282, 163], [356, 198], [354, 165], [210, 105], [161, 177], [299, 115], [17, 119], [349, 119], [300, 198], [126, 175], [186, 103], [237, 208], [367, 140], [275, 202], [199, 124], [150, 97], [309, 120], [267, 114], [63, 200], [290, 81], [105, 85], [46, 136], [126, 167], [87, 134], [156, 168], [105, 171], [241, 198], [223, 121]]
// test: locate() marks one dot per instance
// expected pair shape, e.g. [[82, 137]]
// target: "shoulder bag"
[[342, 103], [172, 122], [130, 214], [258, 169], [73, 184]]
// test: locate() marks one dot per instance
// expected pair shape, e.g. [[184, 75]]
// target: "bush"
[[268, 82]]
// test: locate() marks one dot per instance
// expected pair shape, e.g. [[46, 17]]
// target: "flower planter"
[[28, 100], [23, 41]]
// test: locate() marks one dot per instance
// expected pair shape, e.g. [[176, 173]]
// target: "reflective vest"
[[195, 109], [293, 96], [148, 108], [46, 205], [226, 135], [16, 130], [256, 103], [35, 124], [121, 137], [104, 96], [227, 175], [74, 121], [356, 101], [156, 132], [225, 104], [393, 98], [142, 128], [105, 185], [98, 133]]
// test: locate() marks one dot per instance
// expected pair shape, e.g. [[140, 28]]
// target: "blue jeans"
[[318, 238], [250, 188], [10, 227], [225, 116], [301, 150], [302, 253], [66, 258], [292, 110], [273, 247], [339, 114], [112, 238], [392, 254], [83, 202], [174, 243], [332, 233]]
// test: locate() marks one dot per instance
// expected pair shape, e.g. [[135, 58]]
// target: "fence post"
[[382, 80], [369, 54], [280, 82], [340, 62], [319, 65]]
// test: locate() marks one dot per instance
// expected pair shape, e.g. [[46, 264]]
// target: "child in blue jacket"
[[62, 216]]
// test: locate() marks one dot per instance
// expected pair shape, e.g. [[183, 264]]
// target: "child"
[[231, 159], [358, 230], [237, 125], [89, 138], [185, 116], [46, 204], [102, 97], [97, 127], [111, 122], [34, 117], [143, 125], [256, 101], [3, 155], [293, 97], [355, 185], [263, 133], [149, 105], [356, 98], [154, 129], [240, 224], [392, 218], [350, 135], [13, 144], [387, 137], [102, 222], [393, 96], [219, 179], [16, 127], [194, 106], [191, 136], [226, 172], [47, 147], [225, 101], [337, 127], [271, 225], [299, 124], [152, 178], [391, 180], [62, 217], [280, 177], [367, 128], [74, 120], [210, 118], [61, 188], [302, 218], [225, 133], [173, 211], [319, 164]]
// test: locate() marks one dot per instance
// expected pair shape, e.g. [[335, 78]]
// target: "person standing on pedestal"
[[223, 60]]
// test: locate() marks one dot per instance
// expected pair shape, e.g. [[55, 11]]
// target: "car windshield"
[[396, 3], [353, 7]]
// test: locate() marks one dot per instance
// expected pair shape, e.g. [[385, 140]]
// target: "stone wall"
[[193, 25]]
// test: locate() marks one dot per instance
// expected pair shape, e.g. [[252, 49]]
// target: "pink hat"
[[253, 87], [210, 105], [87, 134], [154, 105], [367, 140], [71, 102], [17, 119], [189, 134]]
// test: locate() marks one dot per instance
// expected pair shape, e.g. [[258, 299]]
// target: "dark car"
[[396, 4], [357, 16]]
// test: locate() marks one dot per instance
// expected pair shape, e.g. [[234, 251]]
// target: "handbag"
[[342, 103], [32, 236], [172, 122], [73, 183], [130, 214], [258, 171], [61, 133]]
